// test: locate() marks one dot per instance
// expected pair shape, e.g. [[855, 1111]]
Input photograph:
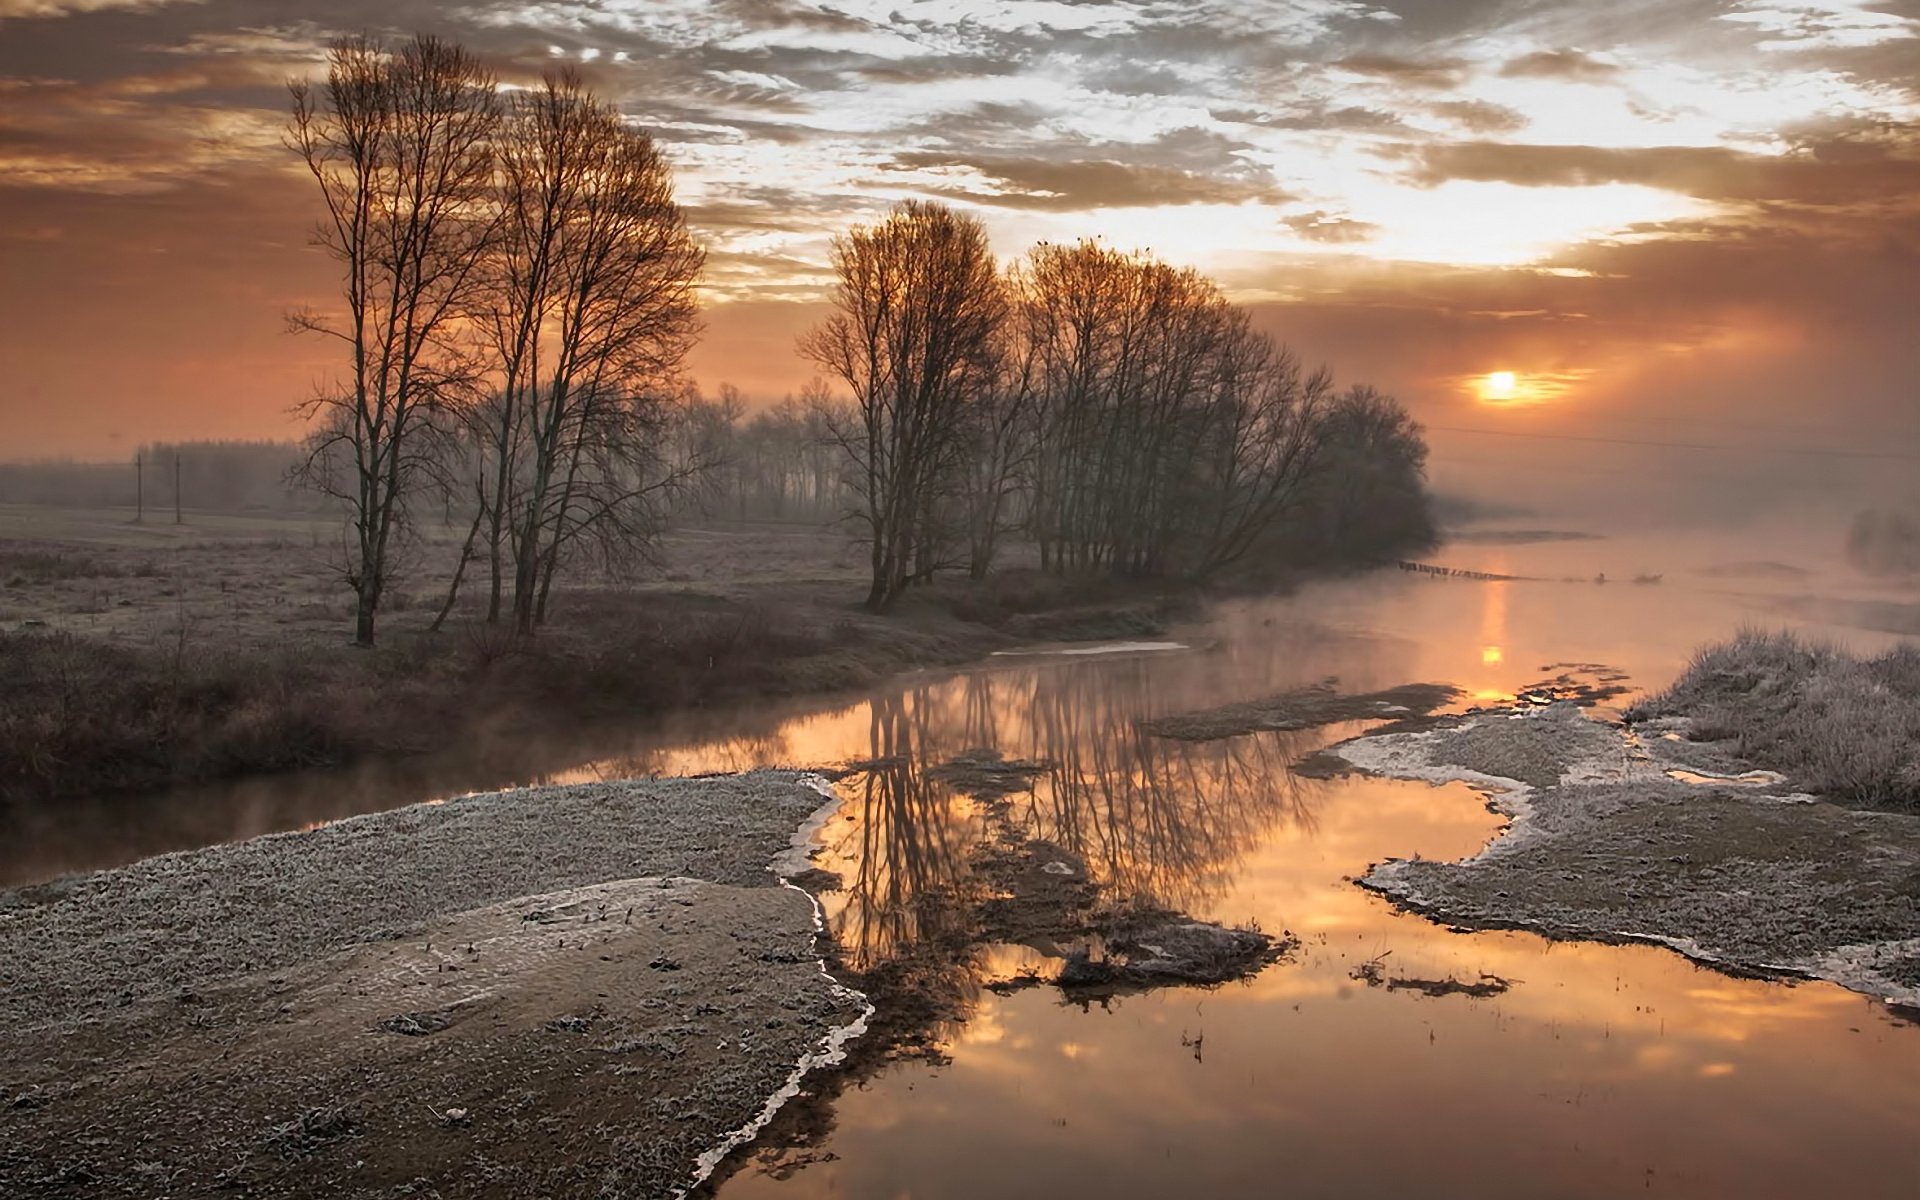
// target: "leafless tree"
[[999, 453], [587, 311], [1167, 433], [400, 143], [1366, 500], [912, 336]]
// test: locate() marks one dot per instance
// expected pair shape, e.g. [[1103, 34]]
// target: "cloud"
[[1573, 65], [1331, 228], [1352, 118], [1439, 74], [1821, 24], [1832, 175], [1075, 185], [1480, 116], [62, 8]]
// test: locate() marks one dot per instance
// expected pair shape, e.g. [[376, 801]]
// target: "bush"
[[81, 716], [1836, 724]]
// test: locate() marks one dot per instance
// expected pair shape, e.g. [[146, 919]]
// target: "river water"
[[1601, 1070]]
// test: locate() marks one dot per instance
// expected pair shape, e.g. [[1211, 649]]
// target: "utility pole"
[[176, 486], [139, 488]]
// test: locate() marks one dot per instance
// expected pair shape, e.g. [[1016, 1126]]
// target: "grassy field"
[[143, 655], [97, 572]]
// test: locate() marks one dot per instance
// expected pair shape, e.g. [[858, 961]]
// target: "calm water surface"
[[1602, 1071]]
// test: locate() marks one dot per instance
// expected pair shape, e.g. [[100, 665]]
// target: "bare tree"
[[400, 142], [1167, 434], [587, 313], [912, 335], [998, 453]]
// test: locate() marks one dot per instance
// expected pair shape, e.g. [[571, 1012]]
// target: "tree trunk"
[[459, 572]]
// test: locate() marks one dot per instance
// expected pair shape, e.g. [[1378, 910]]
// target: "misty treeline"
[[1115, 409], [518, 298], [220, 476], [1885, 542]]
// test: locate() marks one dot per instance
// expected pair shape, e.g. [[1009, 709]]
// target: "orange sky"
[[1673, 220]]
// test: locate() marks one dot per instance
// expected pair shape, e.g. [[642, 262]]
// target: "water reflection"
[[1155, 823], [1604, 1070]]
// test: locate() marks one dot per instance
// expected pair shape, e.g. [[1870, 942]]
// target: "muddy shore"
[[1641, 833], [561, 991]]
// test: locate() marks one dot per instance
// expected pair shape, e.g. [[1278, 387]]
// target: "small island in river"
[[1759, 816]]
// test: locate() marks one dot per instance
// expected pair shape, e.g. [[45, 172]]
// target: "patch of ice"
[[831, 1049], [798, 855], [1411, 756], [1744, 779], [1863, 968], [1103, 648]]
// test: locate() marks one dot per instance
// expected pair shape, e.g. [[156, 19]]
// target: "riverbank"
[[562, 991], [1636, 832], [140, 659]]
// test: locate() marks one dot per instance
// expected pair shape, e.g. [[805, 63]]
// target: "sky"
[[1694, 223]]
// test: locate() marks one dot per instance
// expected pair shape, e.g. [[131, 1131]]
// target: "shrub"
[[1836, 724]]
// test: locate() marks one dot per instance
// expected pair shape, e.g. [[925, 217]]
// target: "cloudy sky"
[[1691, 221]]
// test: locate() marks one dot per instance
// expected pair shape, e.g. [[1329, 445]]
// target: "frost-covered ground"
[[543, 992], [1726, 865]]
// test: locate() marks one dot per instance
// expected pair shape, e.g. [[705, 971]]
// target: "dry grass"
[[85, 716], [137, 658], [1838, 725], [144, 656]]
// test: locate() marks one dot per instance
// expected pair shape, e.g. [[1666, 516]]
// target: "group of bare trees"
[[1117, 409], [913, 335], [518, 295]]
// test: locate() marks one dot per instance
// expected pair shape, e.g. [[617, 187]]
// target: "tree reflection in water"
[[1157, 823]]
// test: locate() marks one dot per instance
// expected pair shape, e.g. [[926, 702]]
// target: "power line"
[[1818, 451]]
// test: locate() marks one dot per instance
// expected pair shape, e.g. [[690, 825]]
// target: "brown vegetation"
[[1836, 724], [136, 667]]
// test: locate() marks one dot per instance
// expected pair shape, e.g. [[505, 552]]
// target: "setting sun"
[[1500, 385]]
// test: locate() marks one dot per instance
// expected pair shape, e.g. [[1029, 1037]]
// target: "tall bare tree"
[[912, 336], [587, 312], [400, 143], [1167, 433]]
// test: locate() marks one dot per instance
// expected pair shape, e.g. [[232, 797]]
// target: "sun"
[[1500, 386]]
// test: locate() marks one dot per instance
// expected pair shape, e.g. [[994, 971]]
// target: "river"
[[1598, 1071]]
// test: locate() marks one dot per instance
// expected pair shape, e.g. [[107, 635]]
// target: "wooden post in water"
[[139, 488], [176, 486]]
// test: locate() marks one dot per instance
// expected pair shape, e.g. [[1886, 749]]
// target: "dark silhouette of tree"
[[587, 310], [401, 145], [1366, 500], [912, 336], [1168, 433]]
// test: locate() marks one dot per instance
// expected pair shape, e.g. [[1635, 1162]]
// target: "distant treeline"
[[211, 476], [1885, 542], [775, 465]]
